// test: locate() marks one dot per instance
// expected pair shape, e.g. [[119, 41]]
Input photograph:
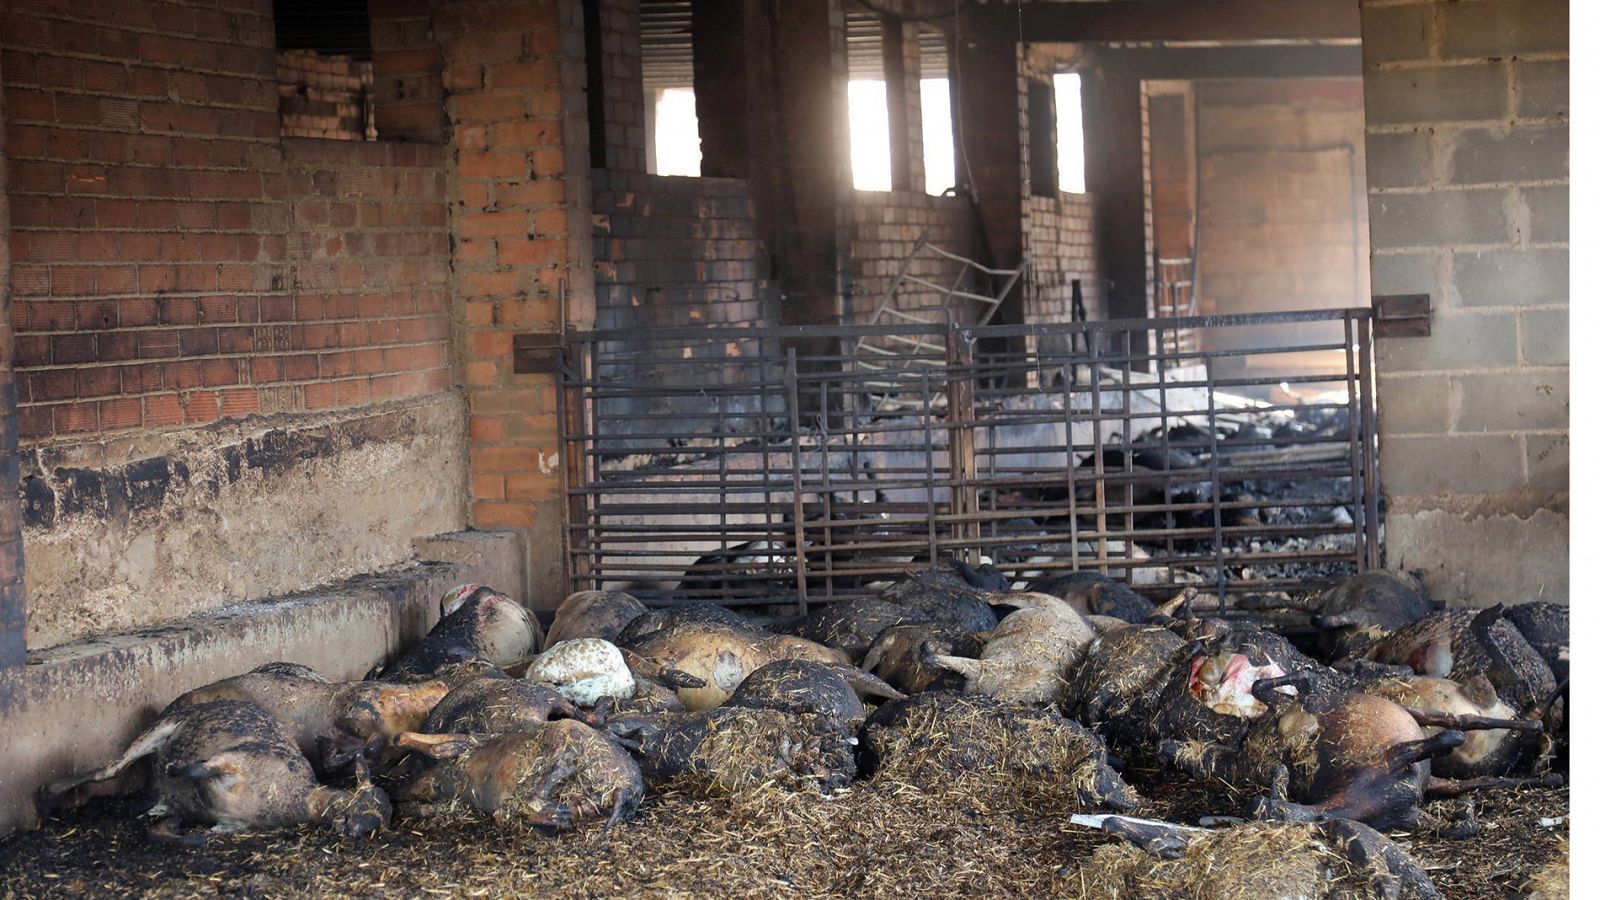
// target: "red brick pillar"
[[407, 90], [13, 646], [520, 224]]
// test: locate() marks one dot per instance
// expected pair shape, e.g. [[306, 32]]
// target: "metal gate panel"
[[760, 465]]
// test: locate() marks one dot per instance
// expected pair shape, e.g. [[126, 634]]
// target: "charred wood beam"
[[1188, 63], [1185, 20]]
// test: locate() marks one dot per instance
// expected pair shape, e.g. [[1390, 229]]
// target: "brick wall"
[[621, 92], [1061, 247], [179, 268], [13, 646], [368, 259], [522, 229], [153, 297], [1466, 108], [886, 227], [325, 96]]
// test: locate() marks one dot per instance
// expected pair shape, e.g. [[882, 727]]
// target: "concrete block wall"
[[676, 251], [1466, 108], [1283, 219], [622, 91]]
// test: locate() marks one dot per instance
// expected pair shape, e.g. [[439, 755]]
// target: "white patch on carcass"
[[584, 670]]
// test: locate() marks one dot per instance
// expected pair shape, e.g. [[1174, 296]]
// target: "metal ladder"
[[894, 354]]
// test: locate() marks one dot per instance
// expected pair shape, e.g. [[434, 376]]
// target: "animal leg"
[[619, 809], [571, 710], [936, 654], [1265, 689], [1452, 787], [1401, 756], [1157, 838], [866, 684], [170, 831], [1179, 607], [148, 742], [436, 746], [1463, 722], [1389, 869]]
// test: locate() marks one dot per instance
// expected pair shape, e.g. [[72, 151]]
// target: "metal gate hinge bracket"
[[535, 353], [1402, 315]]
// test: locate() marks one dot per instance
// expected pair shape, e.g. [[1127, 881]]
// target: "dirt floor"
[[877, 839]]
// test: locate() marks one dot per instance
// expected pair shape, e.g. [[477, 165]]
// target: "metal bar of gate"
[[670, 442]]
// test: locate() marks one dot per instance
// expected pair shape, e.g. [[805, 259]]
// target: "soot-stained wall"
[[190, 284]]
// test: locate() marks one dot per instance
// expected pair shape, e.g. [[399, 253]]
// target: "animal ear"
[[224, 768], [728, 671], [1480, 690]]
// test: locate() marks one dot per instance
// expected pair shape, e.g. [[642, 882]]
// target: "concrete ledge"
[[76, 706]]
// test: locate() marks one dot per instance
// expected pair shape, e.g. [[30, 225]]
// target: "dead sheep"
[[1354, 613], [1438, 703], [1004, 751], [736, 750], [1093, 594], [556, 774], [1461, 644], [802, 686], [234, 766], [896, 656], [476, 623], [332, 721], [1028, 656], [722, 655], [949, 598], [1334, 859], [1117, 687], [495, 704], [1351, 755], [584, 670], [593, 614], [851, 626]]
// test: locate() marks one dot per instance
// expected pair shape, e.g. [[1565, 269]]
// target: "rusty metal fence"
[[768, 465]]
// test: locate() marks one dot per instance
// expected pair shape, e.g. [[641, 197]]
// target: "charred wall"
[[188, 281], [676, 252]]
